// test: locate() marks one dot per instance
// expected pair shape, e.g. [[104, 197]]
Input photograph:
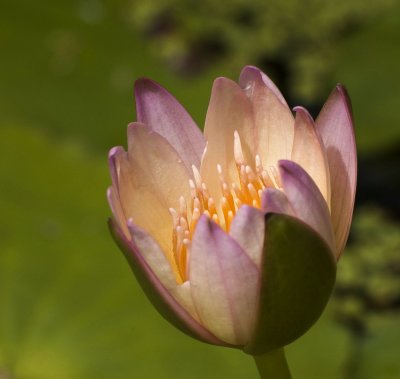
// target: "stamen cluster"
[[252, 181]]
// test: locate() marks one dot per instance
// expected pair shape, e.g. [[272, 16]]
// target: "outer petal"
[[116, 208], [112, 192], [151, 179], [309, 152], [158, 263], [273, 118], [113, 164], [229, 110], [224, 282], [297, 278], [335, 125], [275, 201], [157, 108], [162, 300], [248, 229], [306, 200]]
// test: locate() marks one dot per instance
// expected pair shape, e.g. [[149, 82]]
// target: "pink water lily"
[[234, 235]]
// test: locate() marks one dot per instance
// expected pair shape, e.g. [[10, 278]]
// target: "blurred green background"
[[69, 306]]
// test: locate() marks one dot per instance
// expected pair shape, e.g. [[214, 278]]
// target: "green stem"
[[273, 365]]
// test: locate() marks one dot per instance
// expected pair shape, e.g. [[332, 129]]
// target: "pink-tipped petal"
[[273, 119], [229, 110], [113, 164], [158, 109], [112, 192], [116, 208], [248, 230], [309, 152], [152, 178], [224, 282], [158, 295], [306, 200], [161, 267], [275, 201], [335, 126], [250, 73]]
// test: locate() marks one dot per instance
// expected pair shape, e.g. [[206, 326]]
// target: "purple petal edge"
[[112, 164], [275, 201], [252, 71], [163, 113], [342, 158], [157, 294], [315, 213]]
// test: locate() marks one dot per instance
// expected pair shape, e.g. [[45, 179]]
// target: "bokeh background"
[[69, 306]]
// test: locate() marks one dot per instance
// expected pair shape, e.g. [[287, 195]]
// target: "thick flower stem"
[[273, 365]]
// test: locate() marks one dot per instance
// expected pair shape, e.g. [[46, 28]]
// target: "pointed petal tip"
[[163, 113], [300, 109], [342, 92], [222, 82], [287, 165], [144, 84], [252, 73], [115, 151], [274, 201], [205, 225], [303, 113]]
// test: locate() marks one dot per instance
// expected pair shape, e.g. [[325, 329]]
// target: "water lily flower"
[[234, 235]]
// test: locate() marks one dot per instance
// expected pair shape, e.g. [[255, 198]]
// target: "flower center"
[[252, 181]]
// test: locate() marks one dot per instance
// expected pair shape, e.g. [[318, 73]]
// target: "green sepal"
[[298, 273]]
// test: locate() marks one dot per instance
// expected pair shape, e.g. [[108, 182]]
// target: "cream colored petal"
[[155, 258], [118, 213], [273, 119], [335, 126], [112, 192], [229, 110], [151, 179], [309, 152]]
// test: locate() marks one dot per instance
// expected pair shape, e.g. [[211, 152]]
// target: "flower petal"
[[116, 208], [162, 300], [273, 119], [112, 192], [306, 200], [297, 277], [309, 152], [247, 229], [229, 110], [161, 267], [113, 164], [158, 109], [151, 179], [335, 126], [224, 282], [275, 201]]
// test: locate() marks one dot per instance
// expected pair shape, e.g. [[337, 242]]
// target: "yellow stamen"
[[248, 191]]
